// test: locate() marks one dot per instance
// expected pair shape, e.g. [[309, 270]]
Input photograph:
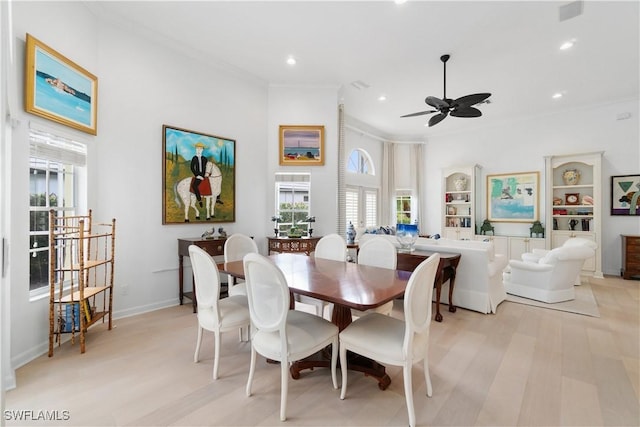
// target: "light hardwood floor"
[[522, 366]]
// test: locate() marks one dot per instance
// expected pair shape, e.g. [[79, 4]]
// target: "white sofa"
[[478, 284]]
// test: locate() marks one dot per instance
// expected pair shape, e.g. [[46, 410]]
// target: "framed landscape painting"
[[513, 197], [301, 145], [625, 195], [198, 177], [58, 89]]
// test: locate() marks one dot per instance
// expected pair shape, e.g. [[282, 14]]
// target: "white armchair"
[[552, 278], [535, 255]]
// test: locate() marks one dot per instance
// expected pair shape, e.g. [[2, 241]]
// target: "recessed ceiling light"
[[568, 44], [382, 98], [291, 60], [399, 1], [557, 95]]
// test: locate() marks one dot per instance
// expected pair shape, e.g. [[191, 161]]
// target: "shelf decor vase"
[[351, 234], [460, 183], [571, 177], [407, 234]]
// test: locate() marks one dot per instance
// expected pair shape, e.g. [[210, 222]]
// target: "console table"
[[214, 247], [408, 261], [292, 244]]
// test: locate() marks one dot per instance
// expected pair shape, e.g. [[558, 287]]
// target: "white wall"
[[142, 85], [296, 105], [30, 319], [520, 146]]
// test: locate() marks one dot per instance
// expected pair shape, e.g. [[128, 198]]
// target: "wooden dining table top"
[[344, 283]]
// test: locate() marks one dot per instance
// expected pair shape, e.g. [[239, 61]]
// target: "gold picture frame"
[[513, 197], [301, 145], [183, 156], [58, 89]]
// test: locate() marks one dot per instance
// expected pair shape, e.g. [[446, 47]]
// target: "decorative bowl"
[[406, 235]]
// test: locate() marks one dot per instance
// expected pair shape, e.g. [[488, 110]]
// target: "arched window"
[[360, 162], [361, 200]]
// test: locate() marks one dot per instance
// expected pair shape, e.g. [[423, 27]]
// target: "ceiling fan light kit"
[[460, 107]]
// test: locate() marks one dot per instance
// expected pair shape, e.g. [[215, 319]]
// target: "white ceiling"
[[510, 49]]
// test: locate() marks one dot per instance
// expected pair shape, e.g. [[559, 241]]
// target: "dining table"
[[346, 285]]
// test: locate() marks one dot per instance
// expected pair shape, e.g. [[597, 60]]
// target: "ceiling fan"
[[461, 107]]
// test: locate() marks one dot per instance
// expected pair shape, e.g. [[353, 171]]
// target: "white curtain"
[[418, 184], [387, 207], [342, 204]]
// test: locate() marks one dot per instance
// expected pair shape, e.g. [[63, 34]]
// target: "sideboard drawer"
[[214, 247]]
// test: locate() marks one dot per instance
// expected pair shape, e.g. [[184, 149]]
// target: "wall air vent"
[[571, 10], [359, 84]]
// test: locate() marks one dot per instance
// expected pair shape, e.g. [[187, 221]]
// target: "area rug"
[[585, 302]]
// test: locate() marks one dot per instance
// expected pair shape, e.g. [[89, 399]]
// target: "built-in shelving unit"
[[574, 202], [459, 184], [513, 246], [81, 268]]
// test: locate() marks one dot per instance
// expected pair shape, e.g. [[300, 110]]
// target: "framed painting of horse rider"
[[198, 177]]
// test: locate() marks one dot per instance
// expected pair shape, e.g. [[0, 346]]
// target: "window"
[[361, 206], [370, 208], [352, 207], [55, 168], [403, 208], [361, 201], [360, 162], [293, 201]]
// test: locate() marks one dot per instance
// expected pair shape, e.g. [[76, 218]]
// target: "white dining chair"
[[377, 252], [333, 247], [215, 314], [235, 248], [391, 341], [279, 333]]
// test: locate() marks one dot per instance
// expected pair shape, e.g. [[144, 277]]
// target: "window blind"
[[45, 145]]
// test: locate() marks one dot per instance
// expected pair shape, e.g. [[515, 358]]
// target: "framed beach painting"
[[625, 195], [198, 177], [513, 197], [301, 145], [58, 89]]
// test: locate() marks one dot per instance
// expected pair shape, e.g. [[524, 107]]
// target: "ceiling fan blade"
[[420, 113], [466, 112], [437, 119], [469, 100], [436, 102]]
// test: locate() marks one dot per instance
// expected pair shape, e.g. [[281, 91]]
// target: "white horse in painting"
[[185, 194]]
